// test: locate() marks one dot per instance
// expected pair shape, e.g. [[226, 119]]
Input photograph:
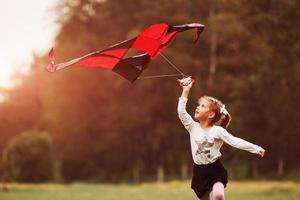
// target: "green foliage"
[[29, 157], [260, 190]]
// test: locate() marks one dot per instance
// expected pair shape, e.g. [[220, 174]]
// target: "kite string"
[[172, 64], [159, 76], [166, 75]]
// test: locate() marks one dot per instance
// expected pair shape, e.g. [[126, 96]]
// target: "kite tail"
[[51, 67]]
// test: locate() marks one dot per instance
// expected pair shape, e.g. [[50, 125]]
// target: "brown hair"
[[220, 118]]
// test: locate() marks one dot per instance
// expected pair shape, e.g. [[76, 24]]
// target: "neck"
[[205, 124]]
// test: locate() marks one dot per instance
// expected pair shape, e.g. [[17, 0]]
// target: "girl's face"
[[203, 111]]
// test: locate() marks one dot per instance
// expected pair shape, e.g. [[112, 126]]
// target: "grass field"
[[174, 190]]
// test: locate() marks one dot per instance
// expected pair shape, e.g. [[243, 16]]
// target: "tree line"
[[104, 128]]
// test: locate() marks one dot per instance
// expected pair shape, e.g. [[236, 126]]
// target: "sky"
[[27, 26]]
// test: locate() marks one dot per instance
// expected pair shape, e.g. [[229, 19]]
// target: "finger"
[[185, 79], [187, 83], [262, 153]]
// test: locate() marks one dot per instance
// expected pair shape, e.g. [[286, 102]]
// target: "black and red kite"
[[152, 41]]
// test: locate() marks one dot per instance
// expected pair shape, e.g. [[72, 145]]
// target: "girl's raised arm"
[[183, 115]]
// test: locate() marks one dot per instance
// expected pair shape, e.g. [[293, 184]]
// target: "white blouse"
[[206, 146]]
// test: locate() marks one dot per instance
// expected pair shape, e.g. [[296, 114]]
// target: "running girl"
[[206, 137]]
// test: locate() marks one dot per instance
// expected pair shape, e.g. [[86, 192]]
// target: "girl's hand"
[[186, 83], [261, 152]]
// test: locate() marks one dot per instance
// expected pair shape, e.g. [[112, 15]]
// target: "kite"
[[152, 42]]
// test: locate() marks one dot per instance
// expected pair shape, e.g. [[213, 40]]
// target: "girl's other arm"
[[240, 143]]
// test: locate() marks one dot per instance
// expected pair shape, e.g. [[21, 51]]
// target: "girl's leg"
[[218, 191], [206, 196]]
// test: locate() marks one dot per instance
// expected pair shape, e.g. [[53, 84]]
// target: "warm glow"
[[27, 27], [5, 70]]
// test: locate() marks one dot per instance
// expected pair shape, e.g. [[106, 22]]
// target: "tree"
[[29, 157]]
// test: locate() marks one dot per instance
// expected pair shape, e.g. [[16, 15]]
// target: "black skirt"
[[205, 176]]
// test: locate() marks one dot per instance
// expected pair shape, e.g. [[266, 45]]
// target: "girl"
[[206, 138]]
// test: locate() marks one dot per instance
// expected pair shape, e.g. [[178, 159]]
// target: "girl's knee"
[[218, 191], [218, 196]]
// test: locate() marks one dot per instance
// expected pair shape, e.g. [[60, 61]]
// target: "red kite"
[[152, 41]]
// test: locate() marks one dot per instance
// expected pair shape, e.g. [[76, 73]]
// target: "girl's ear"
[[211, 115]]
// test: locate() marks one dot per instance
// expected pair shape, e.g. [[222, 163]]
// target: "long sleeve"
[[183, 115], [237, 142]]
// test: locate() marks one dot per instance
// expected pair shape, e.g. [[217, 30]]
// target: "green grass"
[[174, 190]]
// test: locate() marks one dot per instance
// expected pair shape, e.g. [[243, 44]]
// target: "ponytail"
[[222, 116], [224, 120]]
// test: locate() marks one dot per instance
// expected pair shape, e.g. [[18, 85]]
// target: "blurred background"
[[83, 124]]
